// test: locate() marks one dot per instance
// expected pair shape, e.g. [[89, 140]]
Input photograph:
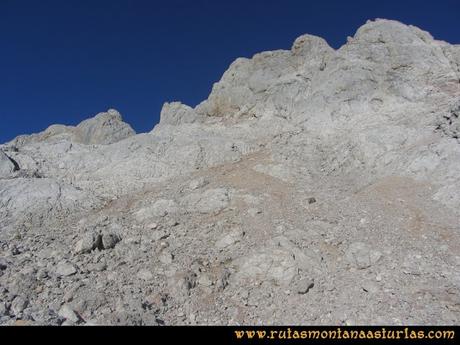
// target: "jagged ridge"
[[313, 179]]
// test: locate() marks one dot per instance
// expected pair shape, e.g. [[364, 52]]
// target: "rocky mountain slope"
[[313, 186]]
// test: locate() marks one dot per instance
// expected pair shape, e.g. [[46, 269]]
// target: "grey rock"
[[362, 255], [110, 240], [210, 201], [304, 285], [104, 128], [229, 239], [166, 257], [3, 264], [7, 165], [68, 313], [204, 280], [198, 183], [18, 305], [370, 129], [65, 268], [268, 264], [3, 309], [88, 242], [254, 212], [42, 274], [68, 323], [177, 113], [145, 275], [159, 208]]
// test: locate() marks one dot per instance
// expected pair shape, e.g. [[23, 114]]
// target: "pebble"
[[166, 257], [3, 264], [198, 183], [18, 305], [362, 256], [42, 274], [3, 309], [254, 212], [152, 226], [304, 285], [65, 269], [68, 313], [87, 243], [145, 274], [204, 280], [110, 240]]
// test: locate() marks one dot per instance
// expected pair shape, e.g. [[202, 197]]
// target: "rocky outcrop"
[[177, 113], [103, 129], [7, 165], [311, 179]]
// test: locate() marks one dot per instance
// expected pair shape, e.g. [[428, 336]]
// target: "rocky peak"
[[310, 179], [102, 129], [382, 31]]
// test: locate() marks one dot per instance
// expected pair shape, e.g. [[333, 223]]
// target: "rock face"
[[104, 128], [7, 165], [312, 179]]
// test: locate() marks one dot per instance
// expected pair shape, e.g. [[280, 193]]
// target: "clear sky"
[[62, 61]]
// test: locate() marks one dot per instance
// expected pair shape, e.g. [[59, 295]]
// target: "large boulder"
[[7, 165]]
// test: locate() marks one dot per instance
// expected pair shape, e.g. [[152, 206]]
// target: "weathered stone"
[[160, 208], [370, 129], [362, 255], [210, 201], [229, 239], [109, 241], [304, 285], [18, 305], [145, 275], [7, 165], [3, 309], [198, 183], [68, 313], [166, 257], [3, 264], [65, 269], [87, 243]]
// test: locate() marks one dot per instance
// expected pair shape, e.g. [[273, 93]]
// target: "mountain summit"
[[313, 186]]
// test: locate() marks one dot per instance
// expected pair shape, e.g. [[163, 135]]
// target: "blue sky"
[[64, 61]]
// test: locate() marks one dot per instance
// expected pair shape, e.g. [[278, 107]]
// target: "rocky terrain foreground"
[[313, 186]]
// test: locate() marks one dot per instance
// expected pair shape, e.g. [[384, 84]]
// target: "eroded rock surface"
[[313, 186]]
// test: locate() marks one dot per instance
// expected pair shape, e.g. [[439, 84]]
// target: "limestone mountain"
[[313, 186]]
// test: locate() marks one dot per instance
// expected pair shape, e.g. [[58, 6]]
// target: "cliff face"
[[314, 186]]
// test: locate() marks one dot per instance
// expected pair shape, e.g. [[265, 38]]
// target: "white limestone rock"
[[65, 269], [362, 255], [87, 243], [213, 203], [104, 128], [210, 201], [277, 265], [230, 239], [68, 313], [159, 208], [177, 113], [7, 166]]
